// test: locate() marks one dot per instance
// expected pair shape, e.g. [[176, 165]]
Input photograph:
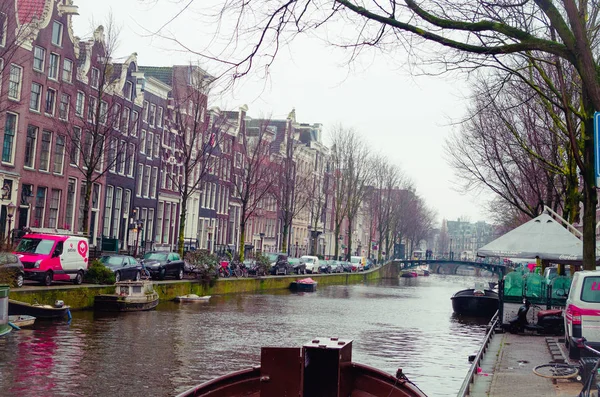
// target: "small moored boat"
[[476, 301], [129, 296], [304, 285], [50, 312], [22, 320], [409, 274], [192, 298], [322, 367]]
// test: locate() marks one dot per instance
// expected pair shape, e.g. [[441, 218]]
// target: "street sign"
[[597, 147]]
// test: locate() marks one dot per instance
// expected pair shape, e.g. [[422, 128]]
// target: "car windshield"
[[589, 289], [111, 261], [155, 256], [38, 246], [355, 259], [272, 257]]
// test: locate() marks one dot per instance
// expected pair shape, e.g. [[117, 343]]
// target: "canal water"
[[405, 323]]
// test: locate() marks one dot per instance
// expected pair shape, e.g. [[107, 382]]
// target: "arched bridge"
[[444, 266]]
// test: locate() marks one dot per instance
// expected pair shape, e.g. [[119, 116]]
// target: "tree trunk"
[[242, 240], [337, 242], [284, 238], [349, 254], [86, 208], [590, 197], [182, 216]]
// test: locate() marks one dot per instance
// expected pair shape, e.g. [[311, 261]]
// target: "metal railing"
[[470, 378]]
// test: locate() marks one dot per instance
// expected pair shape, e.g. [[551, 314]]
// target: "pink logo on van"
[[82, 248]]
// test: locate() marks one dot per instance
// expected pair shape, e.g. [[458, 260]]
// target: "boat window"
[[137, 289], [35, 246]]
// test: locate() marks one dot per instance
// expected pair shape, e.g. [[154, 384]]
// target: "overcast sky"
[[404, 117]]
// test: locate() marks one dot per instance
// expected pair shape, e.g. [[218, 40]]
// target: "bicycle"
[[568, 371]]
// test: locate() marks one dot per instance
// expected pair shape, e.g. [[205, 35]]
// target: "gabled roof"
[[27, 10]]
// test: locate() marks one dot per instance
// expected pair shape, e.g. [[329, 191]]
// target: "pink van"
[[48, 257]]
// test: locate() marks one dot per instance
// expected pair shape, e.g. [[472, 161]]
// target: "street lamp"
[[262, 243], [10, 212], [139, 225], [296, 249]]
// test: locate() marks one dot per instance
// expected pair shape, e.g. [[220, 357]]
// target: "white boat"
[[129, 296], [21, 320], [192, 298]]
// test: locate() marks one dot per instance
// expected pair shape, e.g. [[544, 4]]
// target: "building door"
[[23, 215]]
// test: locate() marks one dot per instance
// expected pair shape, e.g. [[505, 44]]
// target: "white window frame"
[[12, 82], [59, 155], [43, 59], [108, 205], [67, 106], [53, 67], [48, 91], [39, 96], [67, 72], [56, 24], [35, 131], [95, 78], [13, 139], [80, 104]]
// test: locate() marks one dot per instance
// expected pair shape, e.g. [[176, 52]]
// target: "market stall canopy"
[[541, 237]]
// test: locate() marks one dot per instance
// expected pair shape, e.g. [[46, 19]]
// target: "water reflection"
[[405, 323]]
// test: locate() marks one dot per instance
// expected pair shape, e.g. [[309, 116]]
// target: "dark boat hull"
[[466, 303], [40, 312], [302, 287], [114, 303]]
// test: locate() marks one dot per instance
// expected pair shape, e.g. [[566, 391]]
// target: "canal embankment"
[[80, 297]]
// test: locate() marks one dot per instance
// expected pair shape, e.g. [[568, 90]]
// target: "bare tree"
[[197, 140], [254, 175], [476, 33], [92, 139]]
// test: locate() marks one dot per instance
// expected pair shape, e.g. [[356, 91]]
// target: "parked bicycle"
[[584, 373]]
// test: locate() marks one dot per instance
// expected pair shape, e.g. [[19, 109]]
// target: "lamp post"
[[262, 240], [296, 248], [10, 212], [139, 225]]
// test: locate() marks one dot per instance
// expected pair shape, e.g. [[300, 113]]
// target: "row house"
[[45, 81]]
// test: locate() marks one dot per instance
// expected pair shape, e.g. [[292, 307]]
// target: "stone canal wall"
[[82, 296]]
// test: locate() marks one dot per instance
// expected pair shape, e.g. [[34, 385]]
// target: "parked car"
[[347, 266], [336, 266], [279, 264], [124, 267], [324, 267], [162, 264], [298, 266], [11, 269], [358, 263], [582, 312], [312, 263]]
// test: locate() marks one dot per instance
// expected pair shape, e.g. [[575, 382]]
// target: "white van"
[[312, 263], [582, 312]]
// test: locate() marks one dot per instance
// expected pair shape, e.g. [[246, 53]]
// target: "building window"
[[153, 182], [3, 23], [67, 73], [126, 203], [112, 155], [150, 224], [70, 205], [125, 120], [159, 117], [128, 90], [39, 57], [116, 116], [159, 223], [152, 115], [92, 108], [103, 112], [40, 206], [53, 208], [14, 82], [166, 225], [75, 146], [53, 66], [36, 97], [59, 154], [50, 100], [147, 172], [149, 140], [145, 112], [134, 123], [45, 150], [129, 163], [108, 210], [121, 160], [10, 129], [63, 108], [79, 104], [140, 176], [95, 80], [157, 145], [117, 218], [81, 206], [57, 32], [143, 142], [29, 160]]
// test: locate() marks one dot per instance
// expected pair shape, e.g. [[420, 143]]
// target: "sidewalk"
[[507, 368]]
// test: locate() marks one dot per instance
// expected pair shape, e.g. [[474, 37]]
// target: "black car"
[[298, 266], [161, 264], [336, 266], [324, 267], [11, 269], [281, 265], [124, 267]]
